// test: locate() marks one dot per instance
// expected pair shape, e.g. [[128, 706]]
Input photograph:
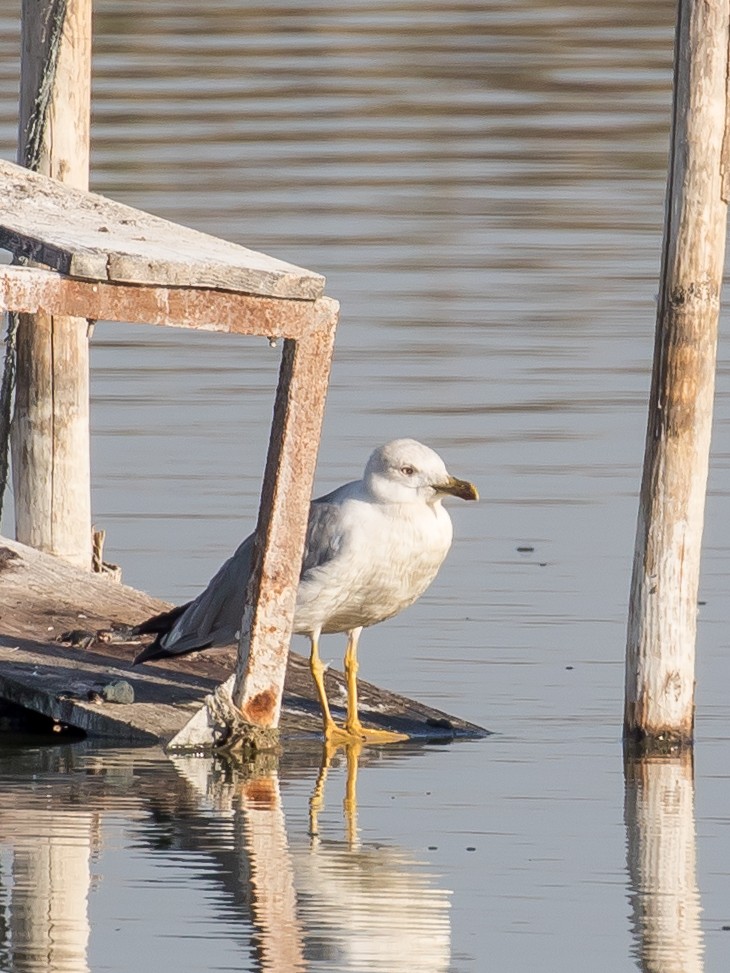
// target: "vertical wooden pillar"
[[659, 699], [50, 438]]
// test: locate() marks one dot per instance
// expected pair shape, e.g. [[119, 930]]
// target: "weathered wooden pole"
[[50, 436], [660, 653]]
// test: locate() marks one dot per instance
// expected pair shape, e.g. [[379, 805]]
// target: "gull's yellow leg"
[[353, 726], [333, 734]]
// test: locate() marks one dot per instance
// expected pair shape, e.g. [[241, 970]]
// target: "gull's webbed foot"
[[359, 732], [353, 732]]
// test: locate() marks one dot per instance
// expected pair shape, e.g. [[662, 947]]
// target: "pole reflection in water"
[[661, 856], [48, 925]]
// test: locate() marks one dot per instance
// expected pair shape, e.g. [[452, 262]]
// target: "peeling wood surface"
[[42, 597], [660, 651], [86, 235]]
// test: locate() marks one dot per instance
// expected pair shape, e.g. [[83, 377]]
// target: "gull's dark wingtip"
[[152, 651]]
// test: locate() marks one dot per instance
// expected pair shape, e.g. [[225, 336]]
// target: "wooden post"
[[50, 438], [659, 699], [245, 709], [287, 492]]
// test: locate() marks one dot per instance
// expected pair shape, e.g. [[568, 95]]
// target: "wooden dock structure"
[[80, 257], [42, 598]]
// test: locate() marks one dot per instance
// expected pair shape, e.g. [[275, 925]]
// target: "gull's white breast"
[[389, 555]]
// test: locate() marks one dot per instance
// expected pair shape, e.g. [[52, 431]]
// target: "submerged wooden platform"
[[42, 597]]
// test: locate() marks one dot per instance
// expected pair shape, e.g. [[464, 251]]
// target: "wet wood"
[[90, 236], [42, 597], [50, 434], [660, 654]]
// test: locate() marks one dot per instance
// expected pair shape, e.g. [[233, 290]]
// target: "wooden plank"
[[32, 289], [86, 235], [50, 432], [42, 597]]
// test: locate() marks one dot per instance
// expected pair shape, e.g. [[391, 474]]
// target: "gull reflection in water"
[[661, 857], [370, 907], [321, 903]]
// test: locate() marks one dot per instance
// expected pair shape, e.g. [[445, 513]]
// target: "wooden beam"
[[660, 652], [50, 434], [287, 492], [32, 289], [256, 689]]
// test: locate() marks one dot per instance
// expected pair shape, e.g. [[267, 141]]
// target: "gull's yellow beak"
[[459, 488]]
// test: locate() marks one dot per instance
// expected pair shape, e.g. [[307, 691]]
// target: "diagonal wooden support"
[[256, 688], [287, 491]]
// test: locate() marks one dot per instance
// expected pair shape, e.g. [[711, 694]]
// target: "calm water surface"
[[482, 184]]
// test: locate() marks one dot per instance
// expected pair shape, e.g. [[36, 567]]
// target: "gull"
[[372, 548]]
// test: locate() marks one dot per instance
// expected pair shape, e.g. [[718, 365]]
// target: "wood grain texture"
[[660, 655], [50, 434], [32, 289], [89, 236]]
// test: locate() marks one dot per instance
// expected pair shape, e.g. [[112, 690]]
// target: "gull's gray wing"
[[214, 617], [324, 530]]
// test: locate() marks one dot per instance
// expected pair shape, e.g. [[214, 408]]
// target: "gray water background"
[[482, 185]]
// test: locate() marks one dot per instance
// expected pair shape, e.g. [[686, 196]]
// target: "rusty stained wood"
[[280, 532], [257, 687], [660, 651], [89, 236], [31, 289], [41, 597]]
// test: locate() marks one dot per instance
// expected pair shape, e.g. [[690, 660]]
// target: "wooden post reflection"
[[661, 857], [250, 790], [49, 923], [273, 897]]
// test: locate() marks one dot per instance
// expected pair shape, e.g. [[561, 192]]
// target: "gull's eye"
[[407, 470]]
